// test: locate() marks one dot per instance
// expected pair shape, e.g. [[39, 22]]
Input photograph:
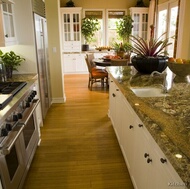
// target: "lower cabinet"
[[74, 63], [147, 164]]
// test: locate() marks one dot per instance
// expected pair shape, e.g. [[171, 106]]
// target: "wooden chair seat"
[[96, 74]]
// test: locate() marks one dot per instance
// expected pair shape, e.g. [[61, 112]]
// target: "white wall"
[[25, 35]]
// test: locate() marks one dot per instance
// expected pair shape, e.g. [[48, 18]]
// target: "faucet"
[[165, 83]]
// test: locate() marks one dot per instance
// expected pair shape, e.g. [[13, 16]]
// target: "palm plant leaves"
[[153, 48]]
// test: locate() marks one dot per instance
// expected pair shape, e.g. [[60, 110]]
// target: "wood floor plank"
[[79, 149]]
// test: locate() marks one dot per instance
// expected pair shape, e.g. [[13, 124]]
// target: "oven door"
[[12, 161], [18, 151], [30, 137]]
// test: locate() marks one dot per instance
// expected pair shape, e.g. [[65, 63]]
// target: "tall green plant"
[[89, 27], [124, 27]]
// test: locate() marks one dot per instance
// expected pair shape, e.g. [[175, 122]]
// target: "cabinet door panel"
[[71, 29]]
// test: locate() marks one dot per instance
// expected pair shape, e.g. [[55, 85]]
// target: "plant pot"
[[85, 47], [9, 72], [147, 65]]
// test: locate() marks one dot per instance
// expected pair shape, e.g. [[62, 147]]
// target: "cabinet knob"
[[163, 160], [149, 160], [140, 125], [146, 155], [130, 127], [117, 89], [113, 95]]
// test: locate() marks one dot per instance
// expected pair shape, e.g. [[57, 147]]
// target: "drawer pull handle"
[[163, 160], [149, 160], [146, 155], [130, 127], [113, 95], [140, 125]]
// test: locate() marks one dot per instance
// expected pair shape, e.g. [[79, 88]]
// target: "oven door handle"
[[13, 136], [9, 143], [30, 111]]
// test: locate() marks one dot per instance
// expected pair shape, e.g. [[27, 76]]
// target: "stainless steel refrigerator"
[[42, 61]]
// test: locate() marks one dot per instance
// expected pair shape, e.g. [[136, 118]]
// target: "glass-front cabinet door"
[[7, 31], [71, 29], [140, 24]]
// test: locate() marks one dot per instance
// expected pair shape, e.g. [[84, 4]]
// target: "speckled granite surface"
[[23, 77], [167, 118]]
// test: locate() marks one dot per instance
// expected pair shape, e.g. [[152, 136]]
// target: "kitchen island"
[[167, 118]]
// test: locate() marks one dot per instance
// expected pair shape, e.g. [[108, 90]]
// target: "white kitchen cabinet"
[[74, 63], [148, 166], [140, 24], [115, 110], [127, 134], [7, 28], [71, 29]]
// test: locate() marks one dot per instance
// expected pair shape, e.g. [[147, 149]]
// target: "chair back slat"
[[88, 65], [90, 57]]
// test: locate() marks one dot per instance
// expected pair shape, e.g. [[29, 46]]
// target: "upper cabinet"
[[71, 29], [140, 24], [7, 29]]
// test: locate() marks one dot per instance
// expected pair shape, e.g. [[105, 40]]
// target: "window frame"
[[167, 6], [103, 20], [107, 20]]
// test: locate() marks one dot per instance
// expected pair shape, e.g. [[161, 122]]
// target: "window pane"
[[98, 37], [172, 30], [162, 21], [112, 34], [97, 40]]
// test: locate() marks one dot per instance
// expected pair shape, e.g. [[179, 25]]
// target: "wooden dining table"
[[104, 63]]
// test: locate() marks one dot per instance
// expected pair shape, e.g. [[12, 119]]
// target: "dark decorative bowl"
[[147, 65]]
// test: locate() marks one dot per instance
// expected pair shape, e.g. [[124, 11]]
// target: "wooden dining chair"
[[119, 62], [90, 57], [96, 74]]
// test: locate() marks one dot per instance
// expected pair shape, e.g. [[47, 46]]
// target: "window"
[[98, 39], [167, 20], [107, 33], [112, 17]]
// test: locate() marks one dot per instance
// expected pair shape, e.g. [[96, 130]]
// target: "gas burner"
[[8, 90], [11, 87]]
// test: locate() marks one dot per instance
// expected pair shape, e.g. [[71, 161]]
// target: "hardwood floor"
[[79, 149]]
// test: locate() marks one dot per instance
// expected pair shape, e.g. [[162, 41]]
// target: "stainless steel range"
[[19, 134]]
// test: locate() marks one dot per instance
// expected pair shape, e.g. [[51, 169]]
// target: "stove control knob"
[[4, 132], [19, 115], [15, 117], [30, 99], [34, 93], [8, 126], [27, 104]]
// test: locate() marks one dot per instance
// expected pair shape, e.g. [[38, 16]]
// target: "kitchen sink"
[[148, 92]]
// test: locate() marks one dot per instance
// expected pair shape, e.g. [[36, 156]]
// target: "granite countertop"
[[24, 77], [167, 118]]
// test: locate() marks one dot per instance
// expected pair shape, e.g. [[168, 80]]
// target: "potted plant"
[[11, 62], [122, 49], [88, 28], [124, 29], [150, 55]]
